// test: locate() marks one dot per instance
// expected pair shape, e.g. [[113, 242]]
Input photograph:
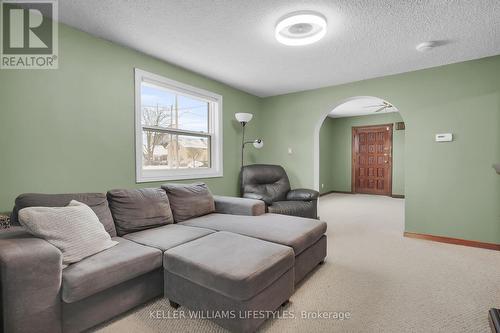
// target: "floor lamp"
[[243, 119]]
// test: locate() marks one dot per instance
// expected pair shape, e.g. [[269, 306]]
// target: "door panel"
[[372, 159]]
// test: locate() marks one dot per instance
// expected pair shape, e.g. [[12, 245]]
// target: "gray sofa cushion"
[[168, 236], [96, 201], [236, 266], [189, 200], [297, 232], [139, 209], [108, 268], [294, 208]]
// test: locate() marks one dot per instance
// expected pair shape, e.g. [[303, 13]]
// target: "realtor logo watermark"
[[29, 34]]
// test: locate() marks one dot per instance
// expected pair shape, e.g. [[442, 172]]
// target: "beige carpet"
[[388, 283]]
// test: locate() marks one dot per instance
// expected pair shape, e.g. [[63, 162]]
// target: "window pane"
[[193, 114], [193, 151], [155, 150], [171, 151], [163, 108]]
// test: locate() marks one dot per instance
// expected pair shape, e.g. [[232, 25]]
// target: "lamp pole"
[[242, 142], [243, 118]]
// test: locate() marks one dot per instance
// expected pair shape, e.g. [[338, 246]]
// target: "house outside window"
[[178, 130]]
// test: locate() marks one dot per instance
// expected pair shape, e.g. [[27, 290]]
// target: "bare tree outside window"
[[155, 117], [175, 130]]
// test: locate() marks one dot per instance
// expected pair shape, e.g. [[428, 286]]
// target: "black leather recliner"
[[270, 184]]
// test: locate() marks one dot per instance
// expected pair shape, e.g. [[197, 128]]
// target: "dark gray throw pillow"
[[140, 209], [189, 200]]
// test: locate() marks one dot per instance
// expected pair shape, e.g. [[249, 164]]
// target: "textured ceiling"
[[360, 106], [233, 40]]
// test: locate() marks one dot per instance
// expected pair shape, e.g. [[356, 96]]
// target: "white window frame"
[[215, 130]]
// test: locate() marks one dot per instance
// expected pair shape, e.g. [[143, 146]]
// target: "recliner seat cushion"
[[96, 201], [236, 266], [167, 237], [108, 268], [296, 232], [295, 208], [139, 209]]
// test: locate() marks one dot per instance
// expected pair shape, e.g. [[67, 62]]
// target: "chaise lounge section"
[[305, 236], [154, 257], [226, 288]]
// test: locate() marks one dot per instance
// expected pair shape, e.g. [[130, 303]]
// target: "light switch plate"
[[497, 167], [444, 137]]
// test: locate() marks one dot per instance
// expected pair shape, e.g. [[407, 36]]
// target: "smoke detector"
[[426, 46]]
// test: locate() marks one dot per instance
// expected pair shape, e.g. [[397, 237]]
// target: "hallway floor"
[[386, 282]]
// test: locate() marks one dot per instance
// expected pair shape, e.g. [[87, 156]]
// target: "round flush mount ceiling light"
[[426, 46], [300, 28]]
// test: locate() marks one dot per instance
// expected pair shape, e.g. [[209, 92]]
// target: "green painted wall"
[[72, 129], [450, 188], [336, 156]]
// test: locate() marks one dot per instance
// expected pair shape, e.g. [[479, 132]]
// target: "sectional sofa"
[[235, 258]]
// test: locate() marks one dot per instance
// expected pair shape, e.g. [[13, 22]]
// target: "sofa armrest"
[[255, 196], [302, 194], [238, 206], [30, 277]]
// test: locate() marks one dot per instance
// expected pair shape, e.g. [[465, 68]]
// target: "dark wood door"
[[372, 159]]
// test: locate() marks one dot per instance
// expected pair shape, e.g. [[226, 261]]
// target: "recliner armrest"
[[256, 196], [30, 277], [302, 194], [238, 206]]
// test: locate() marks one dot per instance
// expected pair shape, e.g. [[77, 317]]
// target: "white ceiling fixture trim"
[[301, 28]]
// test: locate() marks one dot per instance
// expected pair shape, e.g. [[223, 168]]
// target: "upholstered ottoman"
[[235, 280]]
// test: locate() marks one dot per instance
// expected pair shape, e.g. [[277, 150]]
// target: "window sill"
[[159, 178]]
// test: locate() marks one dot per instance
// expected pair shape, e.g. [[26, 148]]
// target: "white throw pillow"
[[74, 229]]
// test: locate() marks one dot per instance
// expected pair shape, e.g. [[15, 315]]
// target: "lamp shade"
[[259, 143], [243, 117]]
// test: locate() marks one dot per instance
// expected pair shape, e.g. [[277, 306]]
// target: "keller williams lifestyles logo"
[[29, 34]]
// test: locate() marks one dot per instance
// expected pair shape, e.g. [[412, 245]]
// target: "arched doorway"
[[351, 120]]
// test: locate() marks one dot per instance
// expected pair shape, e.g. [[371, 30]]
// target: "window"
[[178, 130]]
